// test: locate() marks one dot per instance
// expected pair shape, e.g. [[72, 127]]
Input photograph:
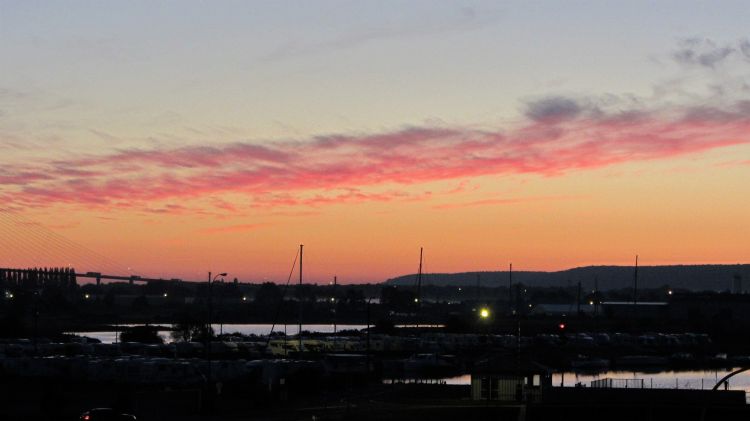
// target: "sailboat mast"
[[301, 303], [635, 282], [510, 288], [596, 295], [479, 294], [419, 278]]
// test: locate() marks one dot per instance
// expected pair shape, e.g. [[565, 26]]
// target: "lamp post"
[[208, 330], [367, 357]]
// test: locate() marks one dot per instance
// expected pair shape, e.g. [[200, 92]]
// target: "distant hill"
[[691, 277]]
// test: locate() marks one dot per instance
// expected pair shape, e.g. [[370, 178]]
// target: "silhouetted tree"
[[190, 332], [189, 328], [268, 296], [384, 326], [394, 298], [144, 334]]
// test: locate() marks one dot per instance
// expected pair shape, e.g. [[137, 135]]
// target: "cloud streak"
[[232, 228], [560, 136]]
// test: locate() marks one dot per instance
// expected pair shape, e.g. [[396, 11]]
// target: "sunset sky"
[[173, 138]]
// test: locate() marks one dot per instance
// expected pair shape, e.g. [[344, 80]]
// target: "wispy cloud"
[[557, 134], [500, 201], [561, 136], [232, 228], [463, 19], [553, 109]]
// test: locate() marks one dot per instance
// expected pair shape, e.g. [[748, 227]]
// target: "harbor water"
[[109, 337], [666, 379]]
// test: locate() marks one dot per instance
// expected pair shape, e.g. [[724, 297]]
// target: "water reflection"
[[245, 329], [693, 379]]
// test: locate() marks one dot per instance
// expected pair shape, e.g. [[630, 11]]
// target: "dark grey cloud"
[[553, 109], [11, 94], [702, 52], [736, 112], [745, 48]]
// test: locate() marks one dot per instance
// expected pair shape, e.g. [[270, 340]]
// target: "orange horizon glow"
[[550, 137]]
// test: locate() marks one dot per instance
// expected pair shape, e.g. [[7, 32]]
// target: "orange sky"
[[484, 136], [676, 211]]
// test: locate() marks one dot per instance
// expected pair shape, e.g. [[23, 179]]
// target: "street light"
[[211, 281], [208, 331], [484, 313]]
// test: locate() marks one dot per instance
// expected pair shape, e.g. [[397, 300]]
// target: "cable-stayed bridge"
[[34, 256]]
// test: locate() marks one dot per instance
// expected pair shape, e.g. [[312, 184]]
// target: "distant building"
[[711, 306], [737, 285], [38, 278], [505, 379], [637, 310], [560, 309]]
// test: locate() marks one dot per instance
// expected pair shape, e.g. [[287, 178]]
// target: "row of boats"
[[191, 372]]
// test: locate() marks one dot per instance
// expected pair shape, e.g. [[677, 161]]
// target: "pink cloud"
[[729, 164], [232, 228], [501, 201], [560, 138]]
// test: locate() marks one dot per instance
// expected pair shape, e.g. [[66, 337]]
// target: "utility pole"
[[300, 299], [578, 299], [208, 324], [367, 358], [36, 322], [208, 347]]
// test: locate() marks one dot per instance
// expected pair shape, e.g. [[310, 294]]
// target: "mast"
[[510, 288], [479, 293], [418, 300], [635, 282], [299, 333], [419, 278], [596, 295]]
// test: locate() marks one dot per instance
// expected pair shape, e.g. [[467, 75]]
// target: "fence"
[[617, 383]]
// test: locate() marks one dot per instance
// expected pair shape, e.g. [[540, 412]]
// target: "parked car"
[[105, 414]]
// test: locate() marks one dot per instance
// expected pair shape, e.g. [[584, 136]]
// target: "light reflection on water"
[[667, 379], [245, 329]]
